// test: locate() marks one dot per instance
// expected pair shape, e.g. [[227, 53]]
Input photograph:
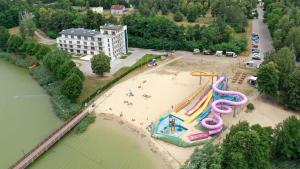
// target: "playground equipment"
[[203, 107], [153, 63], [170, 125], [221, 106]]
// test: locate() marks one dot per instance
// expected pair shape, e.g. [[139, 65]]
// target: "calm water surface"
[[27, 117]]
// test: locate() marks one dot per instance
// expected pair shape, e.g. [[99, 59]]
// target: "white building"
[[112, 40], [117, 9], [97, 9]]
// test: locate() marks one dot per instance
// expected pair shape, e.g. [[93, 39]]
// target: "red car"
[[254, 46]]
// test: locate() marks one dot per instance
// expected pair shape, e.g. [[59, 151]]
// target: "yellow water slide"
[[201, 109]]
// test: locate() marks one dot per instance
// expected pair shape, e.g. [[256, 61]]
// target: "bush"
[[250, 106], [83, 125], [52, 34], [178, 17], [72, 87], [42, 75]]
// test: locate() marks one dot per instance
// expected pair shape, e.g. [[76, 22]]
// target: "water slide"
[[201, 109], [221, 106], [191, 98], [199, 102], [204, 114]]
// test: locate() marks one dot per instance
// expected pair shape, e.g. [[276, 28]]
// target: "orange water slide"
[[192, 97]]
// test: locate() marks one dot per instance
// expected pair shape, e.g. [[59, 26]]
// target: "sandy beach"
[[144, 98]]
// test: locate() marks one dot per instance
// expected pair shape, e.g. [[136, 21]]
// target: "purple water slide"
[[221, 106]]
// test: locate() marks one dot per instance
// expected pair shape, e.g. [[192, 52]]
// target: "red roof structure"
[[118, 7]]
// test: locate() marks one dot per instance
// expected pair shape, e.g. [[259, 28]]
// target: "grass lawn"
[[91, 84]]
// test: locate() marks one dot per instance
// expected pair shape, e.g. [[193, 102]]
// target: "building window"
[[65, 45], [92, 38], [92, 43], [78, 51], [108, 40], [84, 43], [92, 48], [78, 42], [85, 38], [100, 48], [85, 47], [64, 41], [78, 37], [70, 42], [84, 52], [105, 32], [60, 45], [78, 46], [72, 50], [72, 36], [92, 53], [99, 44], [71, 46], [99, 39]]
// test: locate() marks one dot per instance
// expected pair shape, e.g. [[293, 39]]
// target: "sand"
[[144, 98]]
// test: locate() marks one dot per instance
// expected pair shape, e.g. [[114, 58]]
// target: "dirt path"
[[42, 38]]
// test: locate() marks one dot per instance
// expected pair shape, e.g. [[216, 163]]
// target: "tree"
[[268, 79], [75, 70], [72, 87], [208, 157], [100, 64], [64, 69], [291, 92], [14, 42], [4, 36], [285, 61], [178, 17], [192, 14], [27, 26], [247, 147], [293, 40], [286, 139]]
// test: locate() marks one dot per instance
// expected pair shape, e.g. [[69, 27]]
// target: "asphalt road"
[[258, 26]]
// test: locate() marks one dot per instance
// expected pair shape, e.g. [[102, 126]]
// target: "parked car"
[[255, 50], [232, 54], [254, 38], [254, 45], [252, 64], [219, 53], [255, 41], [196, 51], [208, 52], [254, 34], [256, 58]]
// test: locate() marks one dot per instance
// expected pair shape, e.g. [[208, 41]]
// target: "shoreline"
[[144, 137]]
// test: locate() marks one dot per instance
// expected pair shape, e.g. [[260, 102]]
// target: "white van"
[[196, 51], [219, 53], [232, 54]]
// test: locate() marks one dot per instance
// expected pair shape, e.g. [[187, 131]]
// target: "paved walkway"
[[117, 64], [265, 39]]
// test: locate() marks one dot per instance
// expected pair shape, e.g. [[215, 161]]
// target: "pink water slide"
[[221, 106]]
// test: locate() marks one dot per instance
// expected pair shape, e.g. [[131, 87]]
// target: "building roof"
[[118, 7], [111, 27], [79, 32]]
